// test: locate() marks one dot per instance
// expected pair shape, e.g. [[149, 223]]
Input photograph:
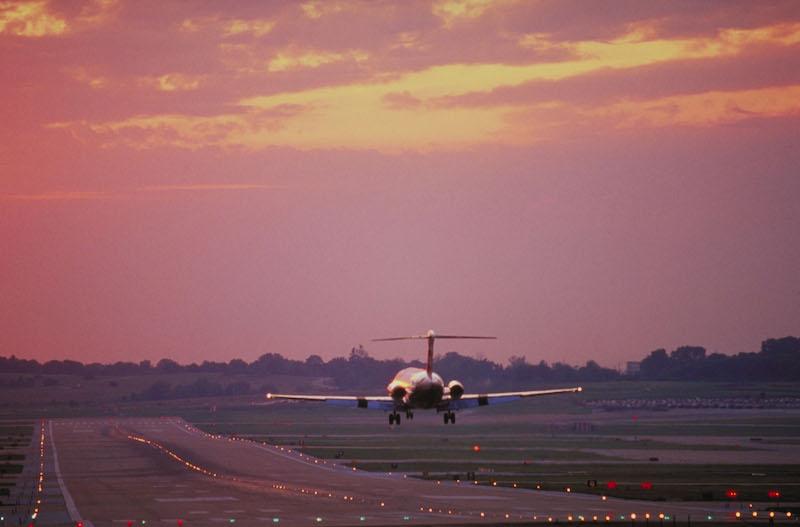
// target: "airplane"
[[417, 388]]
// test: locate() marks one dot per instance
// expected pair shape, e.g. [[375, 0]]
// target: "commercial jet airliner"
[[415, 388]]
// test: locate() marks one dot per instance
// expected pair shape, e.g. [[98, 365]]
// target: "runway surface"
[[121, 472]]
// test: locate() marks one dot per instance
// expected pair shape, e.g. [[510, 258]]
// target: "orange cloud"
[[30, 19], [704, 109], [58, 196], [295, 59], [34, 19], [172, 82], [453, 11], [257, 27], [209, 187], [317, 8], [383, 113]]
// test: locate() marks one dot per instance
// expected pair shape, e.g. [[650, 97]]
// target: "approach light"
[[755, 514], [608, 518], [738, 515], [633, 516], [788, 514], [771, 514], [660, 515]]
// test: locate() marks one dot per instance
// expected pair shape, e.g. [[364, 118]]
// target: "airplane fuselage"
[[416, 388]]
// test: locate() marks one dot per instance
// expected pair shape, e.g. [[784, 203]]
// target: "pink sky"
[[584, 180]]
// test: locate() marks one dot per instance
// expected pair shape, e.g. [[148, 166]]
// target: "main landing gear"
[[449, 417], [409, 415], [394, 418]]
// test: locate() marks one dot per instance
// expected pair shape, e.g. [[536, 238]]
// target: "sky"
[[584, 180]]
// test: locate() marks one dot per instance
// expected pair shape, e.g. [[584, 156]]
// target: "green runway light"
[[406, 517], [232, 520], [276, 520], [362, 518]]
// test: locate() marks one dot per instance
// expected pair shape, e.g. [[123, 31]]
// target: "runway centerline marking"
[[72, 510]]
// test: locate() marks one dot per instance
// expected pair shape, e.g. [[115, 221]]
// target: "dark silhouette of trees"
[[358, 373]]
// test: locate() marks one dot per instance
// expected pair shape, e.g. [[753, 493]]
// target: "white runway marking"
[[72, 510]]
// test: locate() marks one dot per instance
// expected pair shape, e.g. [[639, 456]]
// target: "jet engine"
[[397, 392], [456, 389]]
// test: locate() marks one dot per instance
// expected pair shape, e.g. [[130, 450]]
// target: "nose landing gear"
[[394, 418], [409, 414], [449, 417]]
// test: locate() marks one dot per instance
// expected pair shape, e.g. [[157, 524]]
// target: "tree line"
[[777, 360]]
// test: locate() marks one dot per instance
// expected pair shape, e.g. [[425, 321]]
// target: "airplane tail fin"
[[431, 336]]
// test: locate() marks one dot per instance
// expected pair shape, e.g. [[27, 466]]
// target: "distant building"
[[633, 367]]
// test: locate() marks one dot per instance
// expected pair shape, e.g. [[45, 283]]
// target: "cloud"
[[704, 109], [228, 27], [295, 59], [453, 11], [30, 19], [82, 75], [172, 82], [58, 196], [256, 28], [465, 104], [317, 8], [37, 19], [209, 187]]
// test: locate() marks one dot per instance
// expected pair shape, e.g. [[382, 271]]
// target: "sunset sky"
[[584, 180]]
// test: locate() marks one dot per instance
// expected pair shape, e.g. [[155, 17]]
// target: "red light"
[[180, 523], [774, 494], [731, 493], [646, 485], [611, 484], [476, 448], [79, 524]]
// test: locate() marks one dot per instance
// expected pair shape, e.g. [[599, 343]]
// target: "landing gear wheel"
[[394, 418], [450, 417], [409, 414]]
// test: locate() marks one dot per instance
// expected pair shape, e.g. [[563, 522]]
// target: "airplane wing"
[[348, 401], [475, 400]]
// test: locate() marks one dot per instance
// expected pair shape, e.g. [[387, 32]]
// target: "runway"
[[121, 472]]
